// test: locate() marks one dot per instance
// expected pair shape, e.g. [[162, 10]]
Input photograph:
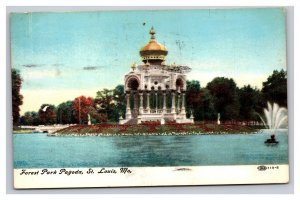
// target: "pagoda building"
[[155, 91]]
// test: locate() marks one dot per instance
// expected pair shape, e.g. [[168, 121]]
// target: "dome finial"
[[133, 66], [152, 33]]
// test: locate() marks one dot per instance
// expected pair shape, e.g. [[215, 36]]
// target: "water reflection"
[[38, 150]]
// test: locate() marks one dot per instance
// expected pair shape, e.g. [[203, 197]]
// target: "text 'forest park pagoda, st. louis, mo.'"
[[155, 91]]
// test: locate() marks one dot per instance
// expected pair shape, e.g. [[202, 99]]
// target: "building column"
[[148, 103], [164, 102], [152, 106], [178, 105], [156, 102], [135, 101], [128, 110], [141, 109], [173, 111], [183, 105]]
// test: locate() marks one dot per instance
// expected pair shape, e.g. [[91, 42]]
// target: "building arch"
[[132, 83], [180, 83]]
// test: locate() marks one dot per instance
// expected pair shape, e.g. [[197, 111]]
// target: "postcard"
[[149, 98]]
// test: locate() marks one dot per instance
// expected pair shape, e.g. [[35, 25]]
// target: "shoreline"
[[24, 131], [154, 129], [149, 129], [148, 134]]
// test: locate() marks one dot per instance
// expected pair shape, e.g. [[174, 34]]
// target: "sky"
[[61, 56]]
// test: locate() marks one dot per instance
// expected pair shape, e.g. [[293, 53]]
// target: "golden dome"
[[153, 46], [153, 52]]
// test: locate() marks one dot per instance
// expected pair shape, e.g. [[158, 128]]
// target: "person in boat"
[[271, 140]]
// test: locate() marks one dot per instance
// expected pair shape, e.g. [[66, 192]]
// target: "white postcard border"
[[150, 176]]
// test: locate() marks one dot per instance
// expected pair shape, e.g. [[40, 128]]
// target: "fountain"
[[218, 120], [276, 117]]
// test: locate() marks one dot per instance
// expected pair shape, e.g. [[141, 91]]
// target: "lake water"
[[41, 151]]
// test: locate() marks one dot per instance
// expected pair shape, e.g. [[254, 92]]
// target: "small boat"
[[271, 141]]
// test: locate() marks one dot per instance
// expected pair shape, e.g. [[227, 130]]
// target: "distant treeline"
[[221, 95]]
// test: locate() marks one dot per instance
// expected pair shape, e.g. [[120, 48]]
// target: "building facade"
[[155, 91]]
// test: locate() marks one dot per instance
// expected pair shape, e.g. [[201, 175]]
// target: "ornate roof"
[[153, 51]]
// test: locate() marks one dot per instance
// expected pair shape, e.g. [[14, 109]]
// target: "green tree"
[[64, 113], [206, 110], [105, 103], [250, 102], [193, 100], [192, 93], [47, 114], [225, 98], [199, 101], [17, 98], [97, 117], [275, 88], [111, 103], [30, 118], [120, 101]]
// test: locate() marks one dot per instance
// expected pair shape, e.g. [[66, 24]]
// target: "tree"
[[192, 93], [105, 103], [111, 104], [199, 101], [30, 118], [47, 114], [193, 101], [225, 98], [250, 102], [275, 88], [206, 110], [97, 117], [17, 98], [64, 113], [82, 106], [120, 101]]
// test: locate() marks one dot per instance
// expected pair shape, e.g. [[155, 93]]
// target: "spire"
[[152, 33]]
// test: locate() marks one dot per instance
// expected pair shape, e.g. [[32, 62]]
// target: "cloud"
[[57, 72], [57, 65], [92, 67], [32, 65]]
